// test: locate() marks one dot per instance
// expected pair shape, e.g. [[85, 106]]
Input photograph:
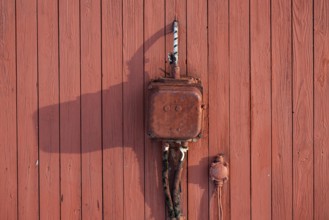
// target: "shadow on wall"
[[68, 114], [93, 99]]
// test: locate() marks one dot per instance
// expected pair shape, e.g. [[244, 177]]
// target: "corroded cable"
[[219, 174], [175, 51], [173, 57], [177, 183], [177, 190], [165, 180], [173, 200], [219, 203]]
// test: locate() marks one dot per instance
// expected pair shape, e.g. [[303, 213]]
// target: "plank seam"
[[313, 151], [271, 103], [38, 102], [17, 188], [229, 99], [186, 17], [80, 100], [122, 107], [187, 157], [208, 114], [292, 105], [165, 68], [59, 114], [250, 113], [101, 93], [144, 143]]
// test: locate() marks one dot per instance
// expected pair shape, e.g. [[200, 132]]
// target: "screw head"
[[166, 108], [178, 108], [150, 134]]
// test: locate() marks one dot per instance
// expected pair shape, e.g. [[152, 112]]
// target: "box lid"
[[175, 110]]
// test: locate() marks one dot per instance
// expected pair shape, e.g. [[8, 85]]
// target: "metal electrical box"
[[175, 109]]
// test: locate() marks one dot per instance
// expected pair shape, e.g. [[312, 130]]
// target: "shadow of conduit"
[[72, 120]]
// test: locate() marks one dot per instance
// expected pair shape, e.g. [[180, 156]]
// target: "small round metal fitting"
[[166, 108], [219, 170], [150, 134], [178, 108]]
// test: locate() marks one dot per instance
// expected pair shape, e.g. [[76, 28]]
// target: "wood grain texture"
[[281, 110], [74, 76], [154, 61], [27, 105], [133, 110], [197, 66], [321, 108], [112, 116], [177, 10], [91, 117], [303, 110], [219, 82], [260, 55], [239, 110], [70, 103], [8, 145], [48, 109]]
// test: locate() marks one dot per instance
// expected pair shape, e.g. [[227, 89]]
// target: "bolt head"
[[178, 108], [166, 108]]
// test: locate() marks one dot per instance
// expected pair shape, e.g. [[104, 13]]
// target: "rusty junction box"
[[175, 110]]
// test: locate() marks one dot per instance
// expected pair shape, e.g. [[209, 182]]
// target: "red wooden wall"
[[73, 79]]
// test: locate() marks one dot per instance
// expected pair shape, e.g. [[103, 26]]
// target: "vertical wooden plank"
[[197, 63], [70, 138], [133, 109], [91, 125], [8, 146], [27, 104], [321, 108], [154, 60], [112, 109], [260, 50], [303, 110], [177, 10], [281, 110], [219, 82], [48, 109], [239, 110]]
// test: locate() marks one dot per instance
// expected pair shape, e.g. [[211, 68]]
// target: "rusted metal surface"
[[165, 180], [219, 175], [219, 171], [172, 189], [176, 72], [175, 109]]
